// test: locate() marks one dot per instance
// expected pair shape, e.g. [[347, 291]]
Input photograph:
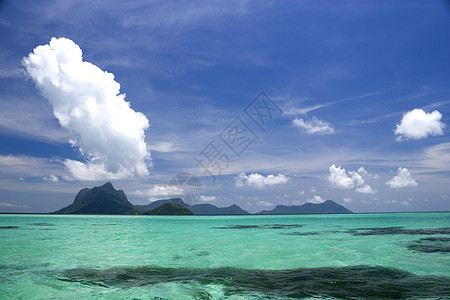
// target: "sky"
[[255, 103]]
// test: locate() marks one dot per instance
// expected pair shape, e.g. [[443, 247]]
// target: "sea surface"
[[358, 256]]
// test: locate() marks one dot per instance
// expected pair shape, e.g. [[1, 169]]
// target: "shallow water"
[[358, 256]]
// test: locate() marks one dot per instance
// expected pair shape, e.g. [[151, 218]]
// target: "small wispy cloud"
[[260, 181], [265, 203], [51, 178], [315, 199], [165, 147], [294, 111], [313, 126], [366, 189], [159, 192], [12, 205], [204, 198]]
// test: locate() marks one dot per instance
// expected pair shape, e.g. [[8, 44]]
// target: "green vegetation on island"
[[104, 200], [169, 209]]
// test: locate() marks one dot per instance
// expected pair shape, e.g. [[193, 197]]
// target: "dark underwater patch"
[[398, 230], [9, 227], [431, 245], [355, 282], [435, 239], [266, 226], [202, 253], [41, 224], [300, 233]]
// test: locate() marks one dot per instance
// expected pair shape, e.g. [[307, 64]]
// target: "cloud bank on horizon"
[[86, 100]]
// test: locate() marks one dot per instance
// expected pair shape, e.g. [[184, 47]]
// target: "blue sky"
[[363, 87]]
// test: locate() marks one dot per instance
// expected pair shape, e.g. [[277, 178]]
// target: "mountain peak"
[[108, 186], [103, 199]]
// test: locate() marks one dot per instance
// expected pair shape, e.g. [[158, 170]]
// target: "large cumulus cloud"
[[87, 101], [418, 124]]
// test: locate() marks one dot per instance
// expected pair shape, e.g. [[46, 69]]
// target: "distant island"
[[106, 200], [197, 209], [169, 209], [327, 207]]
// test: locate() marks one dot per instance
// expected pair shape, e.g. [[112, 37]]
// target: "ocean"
[[357, 256]]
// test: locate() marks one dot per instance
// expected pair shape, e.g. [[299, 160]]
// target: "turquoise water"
[[225, 257]]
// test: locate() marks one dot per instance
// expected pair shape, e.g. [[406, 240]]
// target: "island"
[[169, 209], [106, 200], [204, 209], [327, 207]]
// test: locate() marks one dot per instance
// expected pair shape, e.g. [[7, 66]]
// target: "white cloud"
[[356, 178], [293, 111], [364, 173], [366, 189], [347, 180], [338, 178], [87, 101], [207, 198], [264, 203], [436, 158], [7, 204], [417, 124], [158, 192], [406, 202], [403, 179], [316, 199], [26, 166], [390, 201], [51, 178], [314, 126], [260, 181], [347, 200], [164, 147]]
